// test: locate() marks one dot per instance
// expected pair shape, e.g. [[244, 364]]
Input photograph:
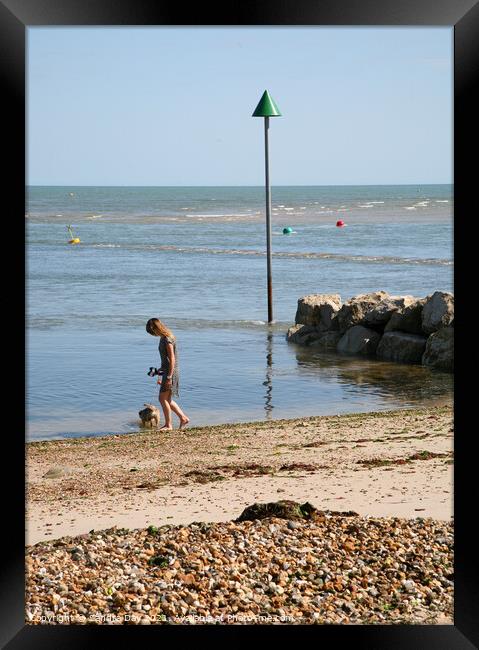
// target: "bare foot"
[[166, 429], [183, 422]]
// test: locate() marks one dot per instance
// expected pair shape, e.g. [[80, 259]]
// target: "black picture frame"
[[462, 15]]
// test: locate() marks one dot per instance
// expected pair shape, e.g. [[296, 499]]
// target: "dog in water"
[[150, 416]]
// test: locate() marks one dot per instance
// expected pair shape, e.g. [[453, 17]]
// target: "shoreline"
[[381, 464]]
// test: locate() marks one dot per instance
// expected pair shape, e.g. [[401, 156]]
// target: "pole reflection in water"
[[268, 406]]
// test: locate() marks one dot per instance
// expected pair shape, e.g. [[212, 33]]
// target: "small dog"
[[150, 416]]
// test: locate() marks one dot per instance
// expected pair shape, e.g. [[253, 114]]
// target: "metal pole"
[[268, 222]]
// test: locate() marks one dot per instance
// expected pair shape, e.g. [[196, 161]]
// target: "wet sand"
[[395, 463]]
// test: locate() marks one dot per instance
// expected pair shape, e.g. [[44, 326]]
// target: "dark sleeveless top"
[[165, 365]]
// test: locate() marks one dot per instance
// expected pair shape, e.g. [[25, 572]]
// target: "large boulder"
[[408, 318], [318, 309], [303, 334], [379, 315], [439, 352], [353, 311], [326, 341], [438, 311], [280, 509], [359, 340], [401, 347]]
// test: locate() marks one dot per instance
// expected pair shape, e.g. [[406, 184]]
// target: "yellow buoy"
[[73, 240]]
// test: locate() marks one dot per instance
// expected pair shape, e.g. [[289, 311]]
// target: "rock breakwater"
[[405, 329]]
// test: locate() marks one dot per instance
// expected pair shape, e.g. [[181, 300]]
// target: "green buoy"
[[287, 230]]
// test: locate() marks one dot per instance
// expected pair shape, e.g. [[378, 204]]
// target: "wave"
[[86, 321], [218, 216], [347, 257], [380, 259], [106, 246]]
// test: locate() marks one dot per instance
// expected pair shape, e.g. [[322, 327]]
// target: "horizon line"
[[261, 186]]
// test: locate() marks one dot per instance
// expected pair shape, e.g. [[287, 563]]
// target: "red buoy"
[[340, 223]]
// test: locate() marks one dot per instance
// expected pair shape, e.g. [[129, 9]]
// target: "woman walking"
[[169, 372]]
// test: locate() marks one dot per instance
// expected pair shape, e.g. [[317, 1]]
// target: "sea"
[[195, 257]]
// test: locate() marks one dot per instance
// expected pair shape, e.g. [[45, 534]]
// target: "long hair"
[[156, 328]]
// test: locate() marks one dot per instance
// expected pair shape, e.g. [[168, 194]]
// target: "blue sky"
[[172, 106]]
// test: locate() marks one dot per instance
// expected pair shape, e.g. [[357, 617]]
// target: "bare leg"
[[184, 419], [165, 398]]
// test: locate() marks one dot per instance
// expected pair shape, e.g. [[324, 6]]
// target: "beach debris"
[[222, 472], [55, 472], [420, 455], [281, 509]]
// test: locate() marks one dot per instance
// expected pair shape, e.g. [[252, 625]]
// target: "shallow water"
[[87, 305]]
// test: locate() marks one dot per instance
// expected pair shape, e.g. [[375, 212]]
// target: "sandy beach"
[[155, 528], [395, 463]]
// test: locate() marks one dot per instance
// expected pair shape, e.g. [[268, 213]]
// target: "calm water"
[[195, 258]]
